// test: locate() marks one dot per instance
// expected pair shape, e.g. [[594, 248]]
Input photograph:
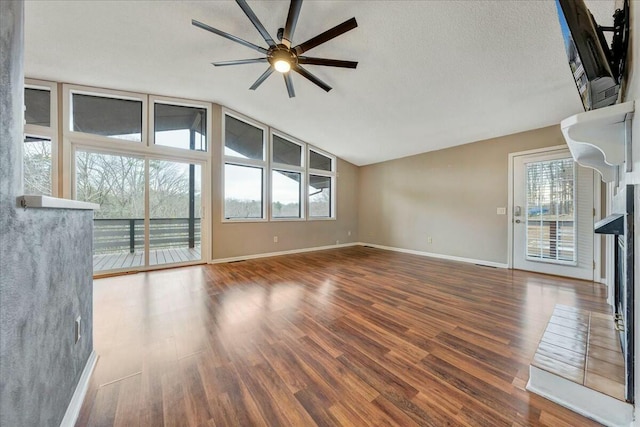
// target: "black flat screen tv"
[[589, 56]]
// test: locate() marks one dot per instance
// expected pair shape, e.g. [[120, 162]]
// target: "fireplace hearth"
[[621, 225]]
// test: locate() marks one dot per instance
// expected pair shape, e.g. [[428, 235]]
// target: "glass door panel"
[[552, 215], [550, 211], [174, 212], [117, 184]]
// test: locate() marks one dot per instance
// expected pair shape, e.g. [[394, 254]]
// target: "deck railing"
[[127, 234]]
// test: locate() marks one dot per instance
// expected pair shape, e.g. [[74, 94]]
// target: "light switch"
[[501, 211]]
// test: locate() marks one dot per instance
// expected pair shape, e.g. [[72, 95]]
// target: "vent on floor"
[[487, 266]]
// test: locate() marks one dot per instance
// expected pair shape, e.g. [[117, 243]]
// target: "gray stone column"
[[11, 128], [11, 100], [45, 269]]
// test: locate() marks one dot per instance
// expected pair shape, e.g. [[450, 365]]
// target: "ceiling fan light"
[[282, 66]]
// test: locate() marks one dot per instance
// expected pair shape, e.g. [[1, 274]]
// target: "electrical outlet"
[[429, 239], [349, 233], [337, 242], [78, 330], [275, 239]]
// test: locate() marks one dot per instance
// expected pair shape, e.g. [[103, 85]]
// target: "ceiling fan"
[[281, 56]]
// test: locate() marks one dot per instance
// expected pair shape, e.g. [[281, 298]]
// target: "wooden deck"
[[156, 257], [352, 336]]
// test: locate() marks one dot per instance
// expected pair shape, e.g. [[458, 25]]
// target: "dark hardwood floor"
[[353, 336]]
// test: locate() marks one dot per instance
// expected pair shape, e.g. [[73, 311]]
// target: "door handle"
[[518, 221]]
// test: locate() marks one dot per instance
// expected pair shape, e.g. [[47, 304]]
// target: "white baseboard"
[[344, 245], [590, 403], [272, 254], [73, 410], [440, 256]]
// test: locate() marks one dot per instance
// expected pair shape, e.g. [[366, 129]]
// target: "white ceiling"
[[431, 74]]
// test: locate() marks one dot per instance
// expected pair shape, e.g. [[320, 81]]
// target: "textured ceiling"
[[431, 74]]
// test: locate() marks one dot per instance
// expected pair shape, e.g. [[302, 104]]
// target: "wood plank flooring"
[[353, 336]]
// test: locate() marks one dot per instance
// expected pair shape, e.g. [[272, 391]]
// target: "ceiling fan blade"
[[332, 33], [256, 22], [262, 78], [307, 75], [292, 20], [327, 62], [289, 82], [228, 36], [239, 62]]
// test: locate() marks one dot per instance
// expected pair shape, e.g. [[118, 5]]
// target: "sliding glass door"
[[175, 199], [116, 183], [150, 209]]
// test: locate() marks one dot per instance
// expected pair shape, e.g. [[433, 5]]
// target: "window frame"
[[72, 141], [70, 90], [153, 100], [322, 153], [146, 158], [275, 166], [268, 166], [333, 174], [50, 132], [238, 161]]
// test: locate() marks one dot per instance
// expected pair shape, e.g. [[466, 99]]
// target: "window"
[[295, 181], [322, 176], [37, 107], [287, 173], [243, 140], [180, 127], [319, 161], [37, 165], [550, 213], [319, 196], [285, 198], [110, 117], [286, 152], [40, 147], [244, 170], [243, 192]]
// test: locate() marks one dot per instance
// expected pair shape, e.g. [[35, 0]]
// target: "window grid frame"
[[268, 166], [333, 174], [70, 90], [177, 102], [239, 161], [276, 166], [49, 132]]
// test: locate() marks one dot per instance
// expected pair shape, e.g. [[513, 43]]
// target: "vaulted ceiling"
[[431, 74]]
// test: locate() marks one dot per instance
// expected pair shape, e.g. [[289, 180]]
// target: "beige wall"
[[237, 239], [450, 195]]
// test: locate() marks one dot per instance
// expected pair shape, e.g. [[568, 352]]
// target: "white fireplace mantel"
[[601, 139]]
